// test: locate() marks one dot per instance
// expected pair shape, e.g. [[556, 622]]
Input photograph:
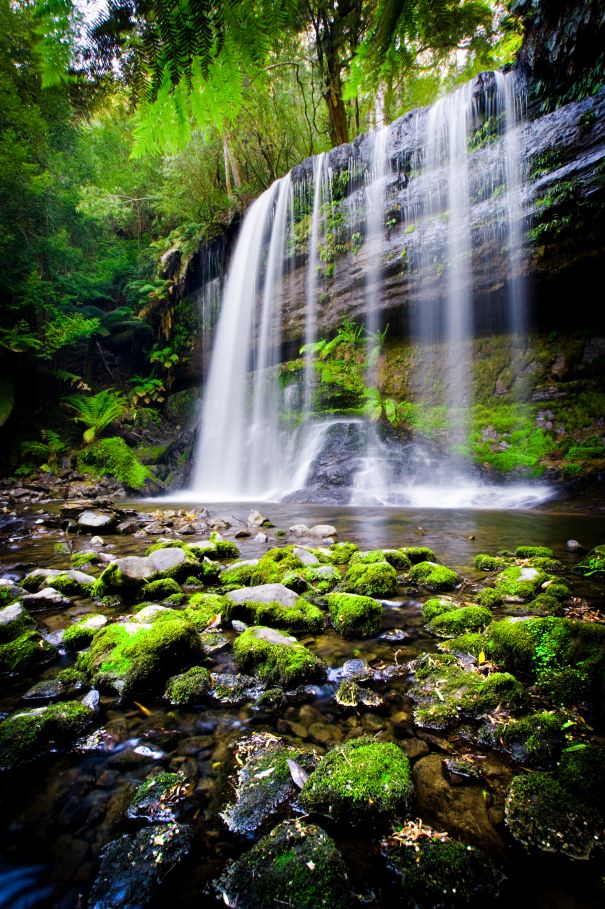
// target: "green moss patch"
[[189, 687], [113, 458], [81, 634], [355, 616], [458, 621], [360, 780], [26, 652], [301, 616], [433, 576], [275, 658], [28, 735], [374, 579]]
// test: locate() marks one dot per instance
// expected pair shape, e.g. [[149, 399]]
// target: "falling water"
[[319, 182], [260, 441]]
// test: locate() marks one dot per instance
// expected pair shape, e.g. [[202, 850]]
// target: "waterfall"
[[462, 202]]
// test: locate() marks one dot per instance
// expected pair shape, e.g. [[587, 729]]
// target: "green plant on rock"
[[97, 412], [113, 458], [147, 390]]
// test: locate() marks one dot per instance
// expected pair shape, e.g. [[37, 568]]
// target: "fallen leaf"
[[299, 776]]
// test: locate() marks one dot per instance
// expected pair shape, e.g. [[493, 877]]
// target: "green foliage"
[[47, 451], [97, 411], [147, 390], [113, 458]]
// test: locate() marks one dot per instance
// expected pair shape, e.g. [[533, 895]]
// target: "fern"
[[97, 411]]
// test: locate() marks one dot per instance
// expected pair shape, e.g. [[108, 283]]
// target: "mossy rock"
[[299, 617], [204, 608], [535, 740], [26, 652], [565, 657], [240, 573], [582, 772], [81, 559], [276, 658], [323, 578], [459, 621], [443, 874], [534, 552], [491, 563], [472, 643], [160, 589], [437, 606], [131, 658], [264, 784], [70, 581], [29, 734], [444, 693], [419, 554], [113, 457], [155, 799], [351, 694], [355, 616], [541, 814], [367, 557], [80, 635], [15, 620], [133, 866], [130, 575], [274, 565], [296, 864], [374, 579], [433, 576], [490, 598], [361, 780], [341, 553], [189, 687], [520, 583]]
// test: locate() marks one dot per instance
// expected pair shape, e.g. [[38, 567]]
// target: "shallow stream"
[[59, 812]]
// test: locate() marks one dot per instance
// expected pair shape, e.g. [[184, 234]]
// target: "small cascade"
[[319, 193]]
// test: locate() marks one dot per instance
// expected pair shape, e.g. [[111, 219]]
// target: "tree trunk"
[[339, 128]]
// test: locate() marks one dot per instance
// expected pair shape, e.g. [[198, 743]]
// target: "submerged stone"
[[134, 866], [265, 782], [543, 815], [360, 780], [297, 864], [276, 658], [442, 874], [231, 689]]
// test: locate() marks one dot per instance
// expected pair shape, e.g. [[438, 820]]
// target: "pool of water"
[[59, 813]]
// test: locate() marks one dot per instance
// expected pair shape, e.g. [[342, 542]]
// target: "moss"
[[355, 616], [203, 609], [189, 687], [558, 591], [541, 814], [302, 616], [534, 740], [472, 643], [132, 660], [582, 772], [398, 559], [520, 583], [437, 606], [64, 583], [113, 458], [565, 657], [491, 563], [82, 559], [160, 589], [358, 781], [419, 554], [433, 576], [15, 622], [322, 577], [368, 557], [158, 785], [500, 689], [373, 580], [351, 694], [296, 861], [342, 552], [71, 676], [80, 635], [543, 604], [443, 875], [29, 734], [532, 552], [275, 658], [274, 565], [225, 549], [489, 597], [240, 575], [6, 596], [457, 621], [26, 652], [545, 564]]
